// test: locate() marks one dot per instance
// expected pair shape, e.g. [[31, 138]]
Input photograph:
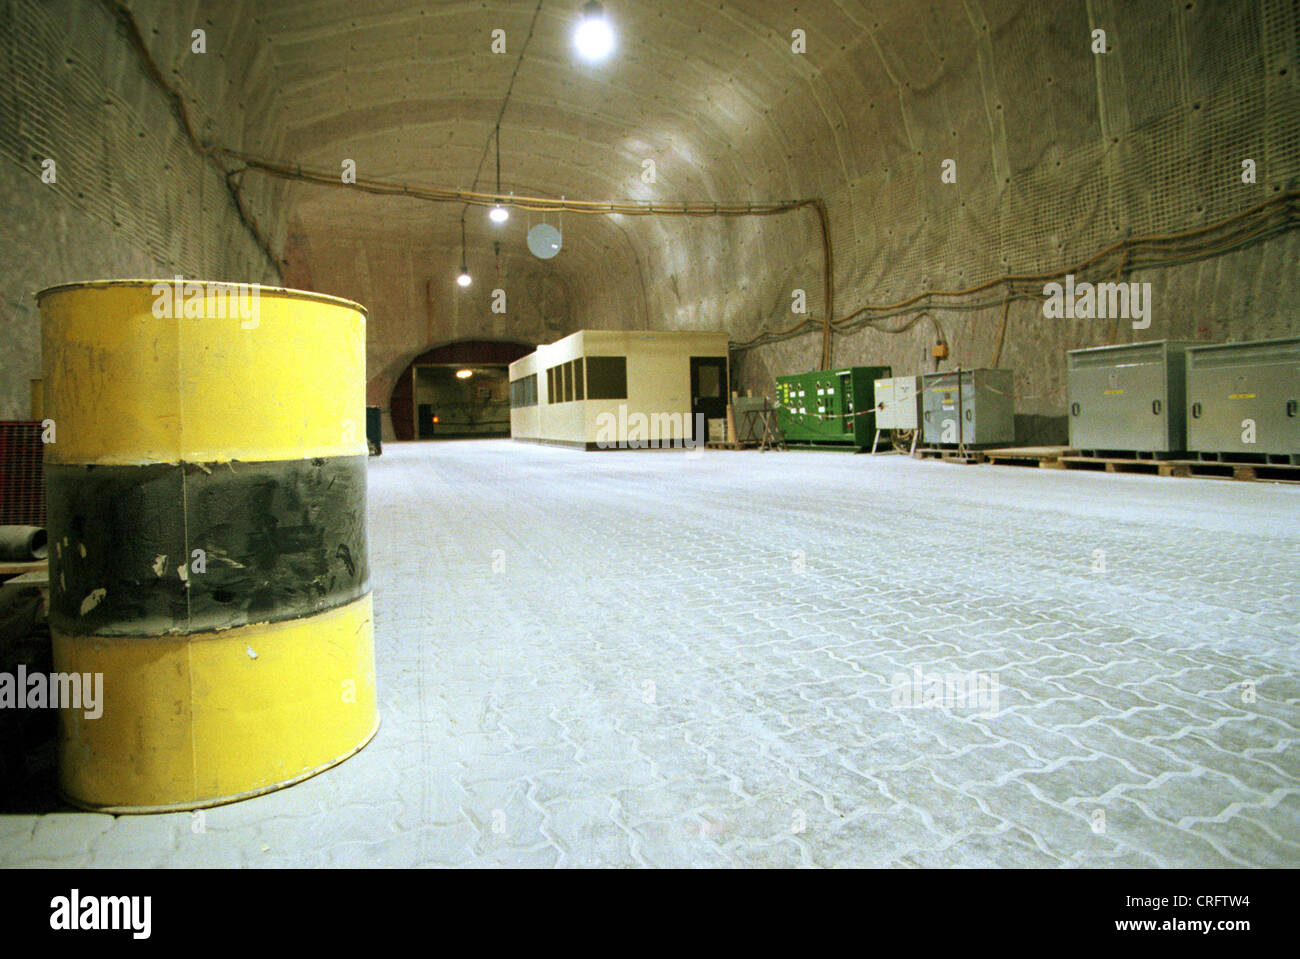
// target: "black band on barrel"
[[279, 540]]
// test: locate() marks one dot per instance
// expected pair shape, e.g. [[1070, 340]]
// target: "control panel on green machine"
[[821, 406]]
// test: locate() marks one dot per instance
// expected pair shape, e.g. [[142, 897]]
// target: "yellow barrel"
[[206, 512]]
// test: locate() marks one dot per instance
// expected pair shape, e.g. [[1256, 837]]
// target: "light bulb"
[[594, 37], [463, 279], [499, 214]]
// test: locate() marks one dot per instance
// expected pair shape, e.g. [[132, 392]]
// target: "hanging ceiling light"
[[499, 214], [463, 277], [464, 374], [594, 37]]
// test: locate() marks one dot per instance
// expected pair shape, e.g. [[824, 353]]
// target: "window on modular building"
[[523, 391], [578, 393], [562, 377], [607, 377], [551, 394], [710, 381]]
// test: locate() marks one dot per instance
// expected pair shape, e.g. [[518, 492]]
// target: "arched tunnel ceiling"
[[1128, 162], [1061, 152], [712, 93]]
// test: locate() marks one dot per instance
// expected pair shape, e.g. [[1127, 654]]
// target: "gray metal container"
[[1240, 391], [1128, 397], [974, 407]]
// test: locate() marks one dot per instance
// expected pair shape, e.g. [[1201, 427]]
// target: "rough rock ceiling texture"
[[1058, 151], [413, 93]]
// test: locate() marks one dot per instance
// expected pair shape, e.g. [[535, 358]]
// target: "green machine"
[[830, 406]]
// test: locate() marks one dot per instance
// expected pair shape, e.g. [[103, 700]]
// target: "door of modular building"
[[708, 392]]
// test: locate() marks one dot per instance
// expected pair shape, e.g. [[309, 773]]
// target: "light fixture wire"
[[505, 101], [463, 267]]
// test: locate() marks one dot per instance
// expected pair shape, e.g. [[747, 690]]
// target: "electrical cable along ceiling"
[[1059, 153], [557, 123]]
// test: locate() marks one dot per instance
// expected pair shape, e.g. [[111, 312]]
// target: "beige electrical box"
[[897, 400]]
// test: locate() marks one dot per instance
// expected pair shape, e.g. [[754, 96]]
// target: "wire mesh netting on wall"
[[1193, 116], [1057, 158], [77, 95]]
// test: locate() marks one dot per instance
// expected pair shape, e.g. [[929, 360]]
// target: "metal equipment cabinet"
[[829, 406], [970, 407], [374, 430], [897, 402], [1128, 398], [1242, 391]]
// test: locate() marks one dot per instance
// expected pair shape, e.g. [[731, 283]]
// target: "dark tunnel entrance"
[[456, 390]]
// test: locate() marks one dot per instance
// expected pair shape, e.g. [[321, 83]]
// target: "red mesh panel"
[[22, 475]]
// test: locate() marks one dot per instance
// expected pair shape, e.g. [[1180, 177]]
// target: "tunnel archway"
[[466, 353]]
